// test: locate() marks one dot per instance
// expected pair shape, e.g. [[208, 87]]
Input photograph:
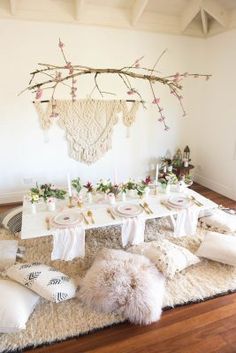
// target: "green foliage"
[[76, 183]]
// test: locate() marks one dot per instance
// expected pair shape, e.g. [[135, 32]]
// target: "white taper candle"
[[69, 185]]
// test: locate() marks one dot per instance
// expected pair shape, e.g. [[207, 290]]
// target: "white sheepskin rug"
[[124, 283]]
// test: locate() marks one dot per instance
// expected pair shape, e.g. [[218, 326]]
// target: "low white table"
[[34, 225]]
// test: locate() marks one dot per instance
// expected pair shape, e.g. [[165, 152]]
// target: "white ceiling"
[[189, 17]]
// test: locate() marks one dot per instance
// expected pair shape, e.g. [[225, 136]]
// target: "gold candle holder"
[[79, 204], [70, 203]]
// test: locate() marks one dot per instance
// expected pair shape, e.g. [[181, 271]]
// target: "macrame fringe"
[[88, 124]]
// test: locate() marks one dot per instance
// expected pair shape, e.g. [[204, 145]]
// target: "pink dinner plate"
[[67, 218], [179, 201], [129, 210]]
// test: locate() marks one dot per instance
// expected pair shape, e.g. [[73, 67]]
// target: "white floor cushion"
[[218, 247], [168, 257], [16, 305], [124, 283], [8, 250], [46, 281], [224, 222]]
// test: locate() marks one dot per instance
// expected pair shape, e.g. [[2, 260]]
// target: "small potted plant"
[[167, 180], [113, 193], [89, 188], [49, 193], [33, 197], [104, 187], [77, 186], [140, 188], [146, 182], [131, 187]]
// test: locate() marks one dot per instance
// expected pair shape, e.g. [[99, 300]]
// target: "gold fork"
[[145, 209], [145, 204], [166, 206], [90, 214], [198, 203], [110, 213], [84, 218]]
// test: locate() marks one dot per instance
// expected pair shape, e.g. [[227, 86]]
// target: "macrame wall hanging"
[[88, 124]]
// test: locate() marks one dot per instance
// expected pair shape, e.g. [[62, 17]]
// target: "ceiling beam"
[[216, 11], [13, 8], [137, 10], [189, 13], [79, 7], [204, 22]]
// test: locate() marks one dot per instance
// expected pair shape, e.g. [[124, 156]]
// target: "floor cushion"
[[218, 247], [8, 250], [124, 283], [12, 219], [46, 281], [16, 305], [221, 221], [169, 258]]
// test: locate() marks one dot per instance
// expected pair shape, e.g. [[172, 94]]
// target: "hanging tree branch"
[[60, 75]]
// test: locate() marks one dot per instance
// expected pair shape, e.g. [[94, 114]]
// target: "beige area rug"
[[52, 322]]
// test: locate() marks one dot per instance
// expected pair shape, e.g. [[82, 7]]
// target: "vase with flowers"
[[104, 187], [167, 180], [33, 197], [89, 188], [77, 186], [131, 187], [49, 193], [146, 183]]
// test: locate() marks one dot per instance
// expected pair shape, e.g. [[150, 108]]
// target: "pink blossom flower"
[[68, 65], [39, 93], [131, 91], [156, 101], [177, 77], [162, 118], [60, 44]]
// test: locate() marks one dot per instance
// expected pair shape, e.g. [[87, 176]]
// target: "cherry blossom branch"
[[62, 74]]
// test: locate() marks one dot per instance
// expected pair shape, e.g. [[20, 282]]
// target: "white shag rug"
[[52, 322]]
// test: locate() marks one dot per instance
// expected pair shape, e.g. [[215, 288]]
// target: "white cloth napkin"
[[186, 222], [68, 243], [133, 231]]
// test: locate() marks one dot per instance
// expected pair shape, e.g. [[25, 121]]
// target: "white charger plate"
[[128, 210], [180, 201], [67, 218]]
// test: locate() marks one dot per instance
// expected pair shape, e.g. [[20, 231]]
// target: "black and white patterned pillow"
[[46, 281], [12, 219]]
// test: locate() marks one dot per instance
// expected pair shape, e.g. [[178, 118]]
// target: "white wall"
[[23, 150], [213, 129]]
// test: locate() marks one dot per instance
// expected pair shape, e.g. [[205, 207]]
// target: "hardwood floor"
[[207, 327]]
